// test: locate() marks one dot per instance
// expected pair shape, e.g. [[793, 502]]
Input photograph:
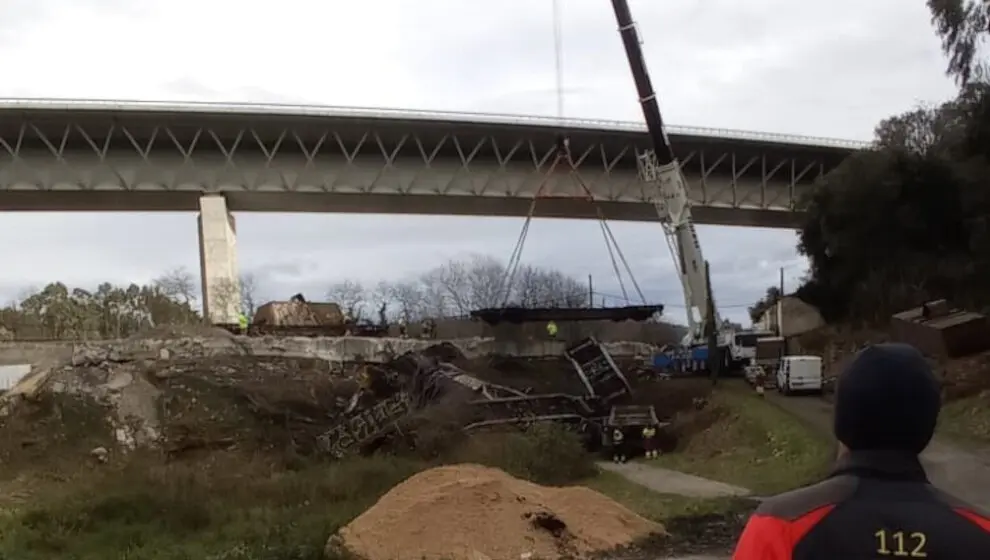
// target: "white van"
[[800, 374]]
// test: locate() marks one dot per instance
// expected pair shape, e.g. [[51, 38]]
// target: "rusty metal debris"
[[416, 381]]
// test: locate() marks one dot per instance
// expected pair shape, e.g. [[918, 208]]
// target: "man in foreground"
[[877, 503]]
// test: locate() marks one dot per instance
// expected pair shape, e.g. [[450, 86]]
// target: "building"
[[790, 317]]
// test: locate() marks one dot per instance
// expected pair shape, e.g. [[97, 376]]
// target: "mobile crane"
[[660, 166]]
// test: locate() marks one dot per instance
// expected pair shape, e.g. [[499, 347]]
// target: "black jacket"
[[874, 505]]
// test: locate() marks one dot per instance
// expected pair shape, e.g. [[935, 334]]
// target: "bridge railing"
[[413, 114]]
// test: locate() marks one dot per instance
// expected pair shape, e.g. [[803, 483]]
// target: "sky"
[[831, 69]]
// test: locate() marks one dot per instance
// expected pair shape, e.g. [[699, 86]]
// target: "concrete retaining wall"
[[16, 353], [331, 349]]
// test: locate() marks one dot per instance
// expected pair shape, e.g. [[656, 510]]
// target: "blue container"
[[663, 361]]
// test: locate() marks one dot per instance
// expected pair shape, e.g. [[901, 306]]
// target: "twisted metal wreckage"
[[415, 381]]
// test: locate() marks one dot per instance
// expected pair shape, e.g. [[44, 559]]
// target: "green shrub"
[[545, 453]]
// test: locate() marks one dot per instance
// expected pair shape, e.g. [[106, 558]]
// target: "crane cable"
[[513, 265], [564, 152], [558, 50]]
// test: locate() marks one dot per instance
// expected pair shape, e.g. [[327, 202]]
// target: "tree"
[[769, 299], [907, 220], [351, 296], [452, 289], [224, 302], [963, 26], [407, 297], [457, 287], [59, 312], [249, 291], [537, 287], [178, 283]]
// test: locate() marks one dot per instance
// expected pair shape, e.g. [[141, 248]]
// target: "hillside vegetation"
[[909, 219]]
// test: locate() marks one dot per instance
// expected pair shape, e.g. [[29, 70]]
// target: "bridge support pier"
[[221, 287]]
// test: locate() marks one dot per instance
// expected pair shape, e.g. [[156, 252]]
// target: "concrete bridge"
[[76, 155]]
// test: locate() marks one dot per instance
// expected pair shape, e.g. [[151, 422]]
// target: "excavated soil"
[[470, 512]]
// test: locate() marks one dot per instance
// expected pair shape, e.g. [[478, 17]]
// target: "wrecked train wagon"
[[393, 391], [298, 317]]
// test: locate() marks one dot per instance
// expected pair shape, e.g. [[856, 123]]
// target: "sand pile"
[[470, 512]]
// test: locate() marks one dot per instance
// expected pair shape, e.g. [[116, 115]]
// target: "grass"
[[181, 511], [967, 421], [751, 443], [654, 505], [231, 507]]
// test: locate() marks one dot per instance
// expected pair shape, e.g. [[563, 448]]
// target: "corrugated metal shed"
[[940, 331]]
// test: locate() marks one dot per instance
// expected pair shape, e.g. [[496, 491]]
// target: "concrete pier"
[[218, 261]]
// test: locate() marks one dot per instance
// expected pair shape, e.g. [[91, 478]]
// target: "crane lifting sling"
[[616, 256], [563, 156]]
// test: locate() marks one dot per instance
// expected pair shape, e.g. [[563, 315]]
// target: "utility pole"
[[591, 293], [714, 359], [780, 305]]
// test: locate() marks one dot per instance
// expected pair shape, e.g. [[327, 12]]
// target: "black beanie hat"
[[888, 398]]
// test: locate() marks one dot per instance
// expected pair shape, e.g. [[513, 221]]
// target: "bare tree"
[[249, 291], [178, 283], [458, 287], [486, 278], [408, 297], [538, 287], [435, 288], [223, 303], [350, 295]]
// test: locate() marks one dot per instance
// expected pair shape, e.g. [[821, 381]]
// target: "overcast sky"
[[812, 68]]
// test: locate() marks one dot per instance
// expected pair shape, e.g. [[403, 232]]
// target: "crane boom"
[[661, 167]]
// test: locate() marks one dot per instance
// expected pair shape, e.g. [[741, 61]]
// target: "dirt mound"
[[470, 512]]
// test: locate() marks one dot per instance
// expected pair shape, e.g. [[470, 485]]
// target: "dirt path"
[[962, 473], [666, 481]]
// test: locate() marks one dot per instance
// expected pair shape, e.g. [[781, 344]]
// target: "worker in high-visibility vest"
[[650, 442], [243, 323], [552, 329], [761, 382], [618, 445]]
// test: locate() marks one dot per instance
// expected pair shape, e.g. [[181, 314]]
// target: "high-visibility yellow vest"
[[552, 328], [649, 432]]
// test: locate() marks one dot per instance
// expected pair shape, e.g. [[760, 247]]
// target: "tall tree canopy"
[[906, 220]]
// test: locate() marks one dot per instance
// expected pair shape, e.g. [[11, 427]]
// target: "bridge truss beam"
[[356, 167]]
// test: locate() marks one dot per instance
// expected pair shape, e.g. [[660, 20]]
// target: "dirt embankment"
[[195, 392]]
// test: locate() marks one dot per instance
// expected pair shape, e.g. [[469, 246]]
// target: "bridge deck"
[[85, 155]]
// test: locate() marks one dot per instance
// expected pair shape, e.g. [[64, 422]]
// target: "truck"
[[745, 346]]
